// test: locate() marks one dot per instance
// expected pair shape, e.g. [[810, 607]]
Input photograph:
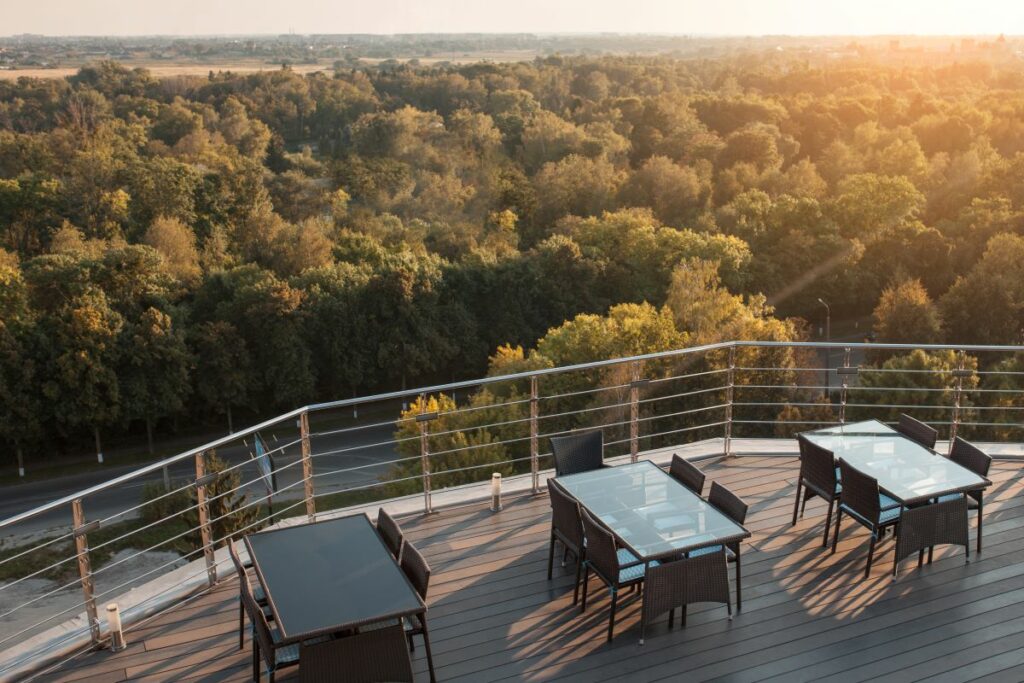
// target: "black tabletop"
[[329, 576]]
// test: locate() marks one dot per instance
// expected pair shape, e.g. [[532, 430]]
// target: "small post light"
[[117, 642], [496, 492]]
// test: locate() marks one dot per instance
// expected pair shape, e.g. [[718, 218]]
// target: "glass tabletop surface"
[[867, 427], [329, 575], [904, 469], [649, 510]]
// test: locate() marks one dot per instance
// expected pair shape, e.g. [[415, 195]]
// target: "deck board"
[[807, 615]]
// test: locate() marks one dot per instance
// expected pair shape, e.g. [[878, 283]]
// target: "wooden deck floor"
[[807, 615]]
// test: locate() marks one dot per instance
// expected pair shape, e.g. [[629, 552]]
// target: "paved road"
[[368, 448]]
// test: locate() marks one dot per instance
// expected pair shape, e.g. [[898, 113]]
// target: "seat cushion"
[[710, 549], [890, 511], [633, 572], [972, 504]]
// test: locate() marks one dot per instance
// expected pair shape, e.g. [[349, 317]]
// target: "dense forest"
[[183, 247]]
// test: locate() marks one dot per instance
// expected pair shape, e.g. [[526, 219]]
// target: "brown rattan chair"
[[925, 526], [578, 452], [866, 504], [704, 578], [416, 569], [736, 509], [267, 641], [970, 457], [566, 528], [616, 567], [817, 478], [243, 583], [390, 532], [368, 657], [687, 474], [917, 431]]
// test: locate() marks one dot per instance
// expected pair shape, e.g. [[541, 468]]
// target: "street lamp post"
[[828, 338]]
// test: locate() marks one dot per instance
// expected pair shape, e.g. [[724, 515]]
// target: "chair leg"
[[255, 660], [682, 617], [586, 580], [835, 534], [920, 558], [611, 617], [551, 556], [871, 554], [803, 508], [739, 582], [828, 523], [980, 510], [671, 617], [931, 553], [565, 555], [796, 503], [426, 646], [576, 587]]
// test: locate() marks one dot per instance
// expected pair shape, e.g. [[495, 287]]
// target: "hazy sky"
[[745, 17]]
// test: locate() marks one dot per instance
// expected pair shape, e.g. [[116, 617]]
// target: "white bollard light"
[[117, 642], [496, 492]]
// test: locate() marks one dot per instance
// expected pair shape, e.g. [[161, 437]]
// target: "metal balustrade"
[[61, 564]]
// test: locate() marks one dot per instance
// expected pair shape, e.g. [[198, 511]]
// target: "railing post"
[[423, 418], [534, 446], [307, 466], [85, 568], [958, 388], [845, 386], [203, 508], [731, 383], [634, 412]]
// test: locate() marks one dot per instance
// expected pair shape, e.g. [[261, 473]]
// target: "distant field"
[[197, 69]]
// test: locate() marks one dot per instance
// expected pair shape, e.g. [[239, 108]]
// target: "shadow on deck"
[[807, 615]]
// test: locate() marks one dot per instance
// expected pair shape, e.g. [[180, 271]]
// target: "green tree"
[[223, 367], [905, 314]]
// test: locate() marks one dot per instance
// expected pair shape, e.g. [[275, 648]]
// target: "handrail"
[[468, 384]]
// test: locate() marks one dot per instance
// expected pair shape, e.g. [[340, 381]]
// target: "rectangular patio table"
[[649, 512], [327, 577], [906, 471]]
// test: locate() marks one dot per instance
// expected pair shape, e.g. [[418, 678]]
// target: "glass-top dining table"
[[906, 471], [652, 514]]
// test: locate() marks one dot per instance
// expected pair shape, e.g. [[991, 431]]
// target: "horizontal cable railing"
[[120, 535]]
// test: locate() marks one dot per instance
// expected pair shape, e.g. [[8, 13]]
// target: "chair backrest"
[[565, 516], [367, 657], [971, 457], [728, 502], [918, 431], [860, 492], [578, 452], [817, 466], [601, 551], [416, 569], [390, 532], [687, 474], [235, 560], [259, 623]]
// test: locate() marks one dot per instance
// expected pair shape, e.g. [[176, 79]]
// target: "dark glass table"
[[328, 577]]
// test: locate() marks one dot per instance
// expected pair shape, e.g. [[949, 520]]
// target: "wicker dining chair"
[[818, 477], [867, 505], [923, 527], [267, 641], [616, 567], [917, 431], [687, 474], [416, 569], [367, 657], [703, 578], [390, 532], [970, 457], [735, 509], [566, 528], [576, 453], [243, 581]]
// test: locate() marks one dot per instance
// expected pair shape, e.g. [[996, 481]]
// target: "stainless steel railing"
[[62, 559]]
